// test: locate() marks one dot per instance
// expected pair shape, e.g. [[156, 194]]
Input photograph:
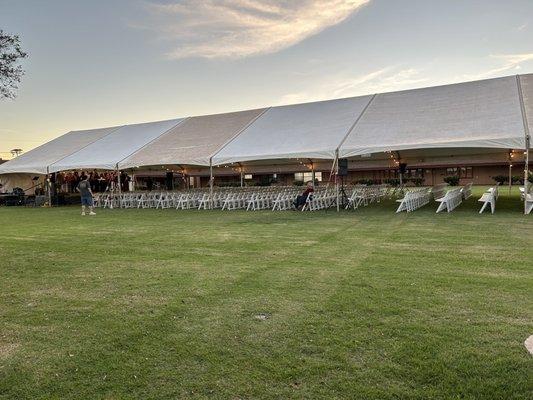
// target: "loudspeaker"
[[343, 166], [403, 168], [169, 181]]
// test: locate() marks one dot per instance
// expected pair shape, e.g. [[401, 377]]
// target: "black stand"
[[343, 197]]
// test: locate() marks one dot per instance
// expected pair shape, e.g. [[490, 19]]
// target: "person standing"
[[84, 187]]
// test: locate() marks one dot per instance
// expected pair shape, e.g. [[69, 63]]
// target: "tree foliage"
[[10, 70]]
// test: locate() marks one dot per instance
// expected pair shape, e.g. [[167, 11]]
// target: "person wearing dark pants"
[[301, 199]]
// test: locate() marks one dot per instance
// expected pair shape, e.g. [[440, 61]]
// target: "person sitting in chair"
[[301, 199]]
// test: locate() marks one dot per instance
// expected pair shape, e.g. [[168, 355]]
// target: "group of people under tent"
[[68, 182]]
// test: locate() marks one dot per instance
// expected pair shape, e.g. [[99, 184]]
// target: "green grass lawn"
[[152, 304]]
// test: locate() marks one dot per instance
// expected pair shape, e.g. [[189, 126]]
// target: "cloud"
[[505, 64], [383, 80], [242, 28], [513, 60]]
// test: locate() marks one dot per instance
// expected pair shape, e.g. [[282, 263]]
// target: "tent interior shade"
[[120, 143], [194, 141], [475, 114], [37, 160]]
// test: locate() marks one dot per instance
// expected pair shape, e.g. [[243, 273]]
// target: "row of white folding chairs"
[[414, 199], [527, 197], [256, 198], [285, 200], [466, 191], [106, 200], [451, 200], [320, 200], [439, 190], [262, 201], [365, 195], [489, 198]]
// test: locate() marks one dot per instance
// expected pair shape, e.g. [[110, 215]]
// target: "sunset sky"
[[107, 62]]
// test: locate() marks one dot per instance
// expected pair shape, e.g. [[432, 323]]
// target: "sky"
[[102, 63]]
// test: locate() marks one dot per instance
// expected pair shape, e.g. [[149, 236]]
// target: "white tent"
[[110, 149], [37, 160], [311, 130], [483, 114], [193, 141], [493, 113]]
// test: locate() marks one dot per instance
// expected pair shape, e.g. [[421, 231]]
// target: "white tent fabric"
[[482, 114], [311, 130], [475, 114], [37, 160], [119, 144], [194, 141]]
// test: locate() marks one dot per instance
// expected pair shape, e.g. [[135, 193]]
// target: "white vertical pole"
[[526, 175], [527, 141], [49, 186], [337, 179], [510, 177], [211, 182], [313, 172], [119, 188]]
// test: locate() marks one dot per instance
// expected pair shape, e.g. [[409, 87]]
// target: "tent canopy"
[[493, 113], [311, 130], [38, 160], [194, 141], [109, 150], [475, 114]]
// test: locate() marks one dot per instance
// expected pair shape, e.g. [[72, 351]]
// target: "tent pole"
[[119, 185], [510, 177], [527, 138], [400, 169], [211, 182], [242, 175], [337, 178], [49, 186], [312, 172], [526, 175]]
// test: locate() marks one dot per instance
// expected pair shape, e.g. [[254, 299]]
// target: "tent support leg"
[[49, 186], [526, 175], [313, 172], [510, 177], [211, 183], [119, 188], [527, 142], [337, 179]]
